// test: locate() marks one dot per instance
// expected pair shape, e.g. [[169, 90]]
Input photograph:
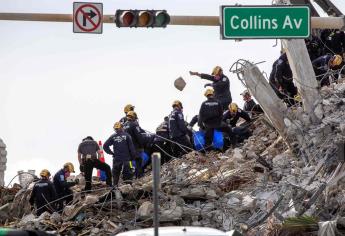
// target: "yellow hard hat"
[[337, 60], [209, 92], [177, 103], [128, 107], [45, 173], [117, 125], [233, 107], [132, 114], [69, 166], [216, 70]]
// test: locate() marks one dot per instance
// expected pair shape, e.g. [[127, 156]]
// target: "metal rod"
[[316, 22], [156, 165]]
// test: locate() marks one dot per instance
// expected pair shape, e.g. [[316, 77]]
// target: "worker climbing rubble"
[[123, 153], [43, 194], [63, 187], [323, 64], [88, 157], [178, 130], [133, 129]]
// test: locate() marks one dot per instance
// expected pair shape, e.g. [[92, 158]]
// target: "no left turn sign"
[[87, 17]]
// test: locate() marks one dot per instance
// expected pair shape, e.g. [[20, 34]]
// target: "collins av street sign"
[[265, 22]]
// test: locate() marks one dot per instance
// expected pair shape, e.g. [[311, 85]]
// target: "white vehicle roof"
[[177, 231]]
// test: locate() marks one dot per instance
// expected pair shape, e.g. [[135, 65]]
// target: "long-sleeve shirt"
[[234, 118], [122, 147], [221, 88]]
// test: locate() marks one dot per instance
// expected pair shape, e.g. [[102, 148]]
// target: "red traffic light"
[[141, 18]]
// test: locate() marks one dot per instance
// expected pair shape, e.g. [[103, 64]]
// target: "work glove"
[[207, 85], [81, 168], [189, 128], [193, 73], [76, 181]]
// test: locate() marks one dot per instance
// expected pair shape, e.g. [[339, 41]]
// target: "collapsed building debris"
[[259, 188]]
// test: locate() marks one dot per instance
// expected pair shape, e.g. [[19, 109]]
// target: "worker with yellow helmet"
[[126, 109], [123, 153], [43, 192], [89, 155], [233, 114], [133, 128], [325, 63], [220, 84], [62, 187], [210, 118], [178, 131]]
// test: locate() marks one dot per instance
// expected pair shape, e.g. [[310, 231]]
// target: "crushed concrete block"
[[211, 194], [145, 210], [237, 154], [319, 112], [55, 218], [193, 193], [172, 214], [189, 211], [91, 199], [44, 216], [248, 203], [27, 219]]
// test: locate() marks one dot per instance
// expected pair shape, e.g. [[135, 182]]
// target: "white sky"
[[57, 87]]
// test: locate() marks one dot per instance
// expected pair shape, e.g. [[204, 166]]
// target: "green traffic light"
[[162, 19]]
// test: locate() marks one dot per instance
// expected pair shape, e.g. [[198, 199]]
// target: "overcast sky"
[[57, 87]]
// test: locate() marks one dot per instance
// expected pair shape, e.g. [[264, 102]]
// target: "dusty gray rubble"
[[253, 188]]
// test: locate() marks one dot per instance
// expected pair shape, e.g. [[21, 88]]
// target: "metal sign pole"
[[156, 165]]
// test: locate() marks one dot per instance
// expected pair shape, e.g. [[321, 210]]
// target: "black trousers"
[[64, 197], [88, 168], [223, 127], [124, 168], [177, 150]]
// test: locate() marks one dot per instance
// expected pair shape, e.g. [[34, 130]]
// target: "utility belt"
[[88, 157]]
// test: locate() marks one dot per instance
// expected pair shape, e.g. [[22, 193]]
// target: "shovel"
[[180, 83]]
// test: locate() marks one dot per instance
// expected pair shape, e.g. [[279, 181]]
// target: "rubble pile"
[[254, 188]]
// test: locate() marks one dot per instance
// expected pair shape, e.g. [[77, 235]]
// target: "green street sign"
[[265, 22]]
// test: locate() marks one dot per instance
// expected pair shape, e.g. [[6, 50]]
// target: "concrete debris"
[[253, 188], [3, 160]]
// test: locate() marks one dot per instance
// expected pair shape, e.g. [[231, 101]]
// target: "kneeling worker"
[[123, 153], [88, 157], [43, 193]]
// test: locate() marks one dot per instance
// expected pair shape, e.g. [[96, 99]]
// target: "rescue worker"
[[249, 104], [233, 114], [123, 153], [133, 129], [210, 117], [334, 41], [128, 107], [178, 131], [88, 157], [43, 193], [323, 64], [62, 187], [281, 80], [161, 143], [314, 47], [221, 85]]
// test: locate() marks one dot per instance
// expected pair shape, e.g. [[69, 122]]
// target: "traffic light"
[[141, 18]]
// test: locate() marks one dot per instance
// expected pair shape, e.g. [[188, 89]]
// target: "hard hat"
[[245, 92], [117, 125], [132, 114], [45, 173], [233, 107], [216, 70], [337, 60], [128, 107], [177, 103], [209, 92], [69, 166]]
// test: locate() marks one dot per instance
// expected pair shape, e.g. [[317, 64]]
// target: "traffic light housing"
[[142, 18]]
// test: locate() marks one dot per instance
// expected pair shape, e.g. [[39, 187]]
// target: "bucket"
[[218, 141], [199, 140]]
